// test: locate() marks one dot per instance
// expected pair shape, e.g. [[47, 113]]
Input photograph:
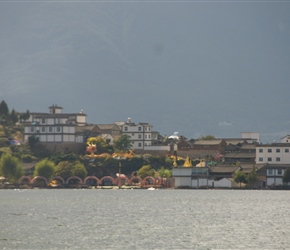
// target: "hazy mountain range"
[[212, 67]]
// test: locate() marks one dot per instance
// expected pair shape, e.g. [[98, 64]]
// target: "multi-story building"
[[140, 134], [276, 157], [275, 153], [55, 126]]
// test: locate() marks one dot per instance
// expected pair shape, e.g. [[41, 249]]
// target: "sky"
[[195, 67]]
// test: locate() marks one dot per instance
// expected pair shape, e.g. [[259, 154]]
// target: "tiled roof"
[[224, 169], [207, 142], [106, 126]]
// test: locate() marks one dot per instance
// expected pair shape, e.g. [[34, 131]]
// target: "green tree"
[[167, 173], [101, 145], [59, 156], [123, 143], [207, 137], [13, 117], [44, 168], [64, 169], [286, 176], [24, 116], [145, 171], [4, 116], [240, 177], [32, 141], [252, 177], [10, 167], [4, 110], [80, 170]]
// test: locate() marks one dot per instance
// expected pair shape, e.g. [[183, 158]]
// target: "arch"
[[38, 178], [107, 177], [158, 181], [149, 180], [59, 178], [24, 180], [74, 178], [92, 178], [119, 181], [136, 178]]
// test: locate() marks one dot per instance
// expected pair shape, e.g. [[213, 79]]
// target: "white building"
[[140, 134], [275, 153], [251, 136], [55, 126], [285, 139], [275, 173], [276, 156]]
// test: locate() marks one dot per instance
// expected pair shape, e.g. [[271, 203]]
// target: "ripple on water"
[[139, 219]]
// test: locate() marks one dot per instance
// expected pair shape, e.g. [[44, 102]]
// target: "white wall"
[[81, 119], [223, 183], [50, 121], [161, 148], [69, 129], [200, 182], [182, 182], [284, 156], [274, 181], [182, 176]]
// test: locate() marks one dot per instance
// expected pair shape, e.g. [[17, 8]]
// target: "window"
[[139, 145], [31, 129], [50, 129], [260, 150], [279, 171], [43, 120], [260, 159], [125, 128], [43, 129], [139, 136], [278, 159], [286, 150], [145, 136], [58, 129], [139, 128], [269, 150], [270, 171], [277, 150], [148, 136], [269, 158]]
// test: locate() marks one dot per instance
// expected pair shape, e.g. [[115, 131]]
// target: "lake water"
[[143, 219]]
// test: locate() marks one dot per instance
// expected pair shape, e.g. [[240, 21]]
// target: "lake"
[[144, 219]]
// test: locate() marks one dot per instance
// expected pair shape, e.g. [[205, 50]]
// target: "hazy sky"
[[196, 67]]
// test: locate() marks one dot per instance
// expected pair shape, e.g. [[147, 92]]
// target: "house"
[[55, 128], [182, 176], [198, 149], [205, 176], [140, 134], [274, 153], [276, 158], [275, 173], [241, 152], [285, 139]]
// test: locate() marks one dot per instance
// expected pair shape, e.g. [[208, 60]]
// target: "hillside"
[[9, 137]]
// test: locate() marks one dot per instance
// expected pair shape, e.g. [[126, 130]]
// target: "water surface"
[[143, 219]]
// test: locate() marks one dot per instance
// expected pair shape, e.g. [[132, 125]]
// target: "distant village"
[[207, 162]]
